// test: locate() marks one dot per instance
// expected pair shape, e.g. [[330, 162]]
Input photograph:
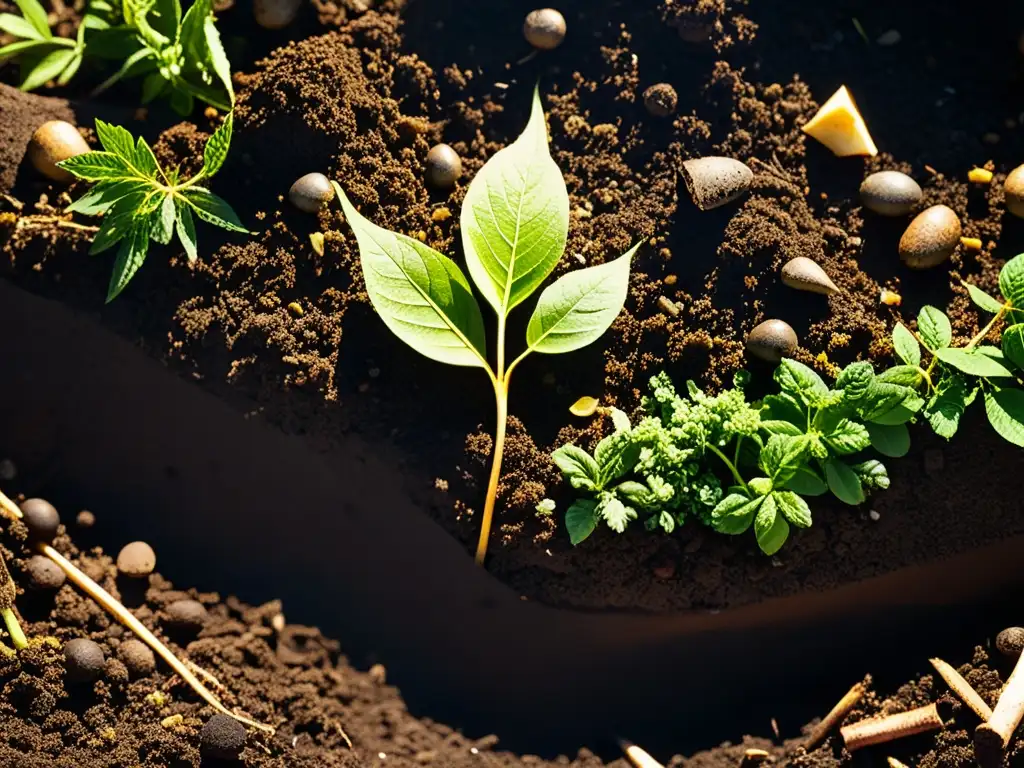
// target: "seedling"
[[178, 55], [140, 201], [514, 221], [7, 596], [953, 377]]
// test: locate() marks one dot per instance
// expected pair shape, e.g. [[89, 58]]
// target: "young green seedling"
[[515, 221], [140, 201], [7, 596]]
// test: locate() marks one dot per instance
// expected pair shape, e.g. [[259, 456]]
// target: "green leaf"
[[186, 229], [799, 380], [579, 306], [129, 257], [145, 161], [217, 147], [843, 482], [734, 513], [19, 27], [1013, 344], [215, 210], [422, 296], [152, 86], [635, 493], [515, 218], [72, 68], [972, 363], [581, 520], [97, 166], [761, 486], [117, 141], [21, 46], [167, 17], [619, 420], [101, 197], [118, 221], [777, 427], [162, 221], [906, 345], [848, 437], [616, 455], [793, 508], [982, 299], [667, 522], [35, 15], [893, 441], [784, 407], [615, 513], [578, 467], [881, 398], [782, 456], [1011, 280], [903, 375], [51, 65], [901, 414], [934, 327], [770, 527], [872, 474], [1005, 410], [854, 380], [945, 408], [806, 482], [218, 60]]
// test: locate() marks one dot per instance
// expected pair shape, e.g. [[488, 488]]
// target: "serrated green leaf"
[[101, 197], [734, 513], [843, 482], [800, 381], [1013, 344], [145, 160], [117, 141], [97, 166], [185, 228], [854, 380], [581, 520], [129, 257], [578, 307], [806, 482], [982, 299], [216, 149], [1005, 411], [162, 221], [892, 441], [779, 427], [784, 407], [903, 375], [906, 345], [118, 221], [1011, 281], [515, 218], [793, 508], [421, 296], [761, 486], [934, 327], [616, 455], [616, 514], [218, 60], [782, 456], [578, 467], [35, 15], [214, 210], [881, 398], [770, 527], [872, 474], [48, 68], [972, 363], [19, 27], [848, 437]]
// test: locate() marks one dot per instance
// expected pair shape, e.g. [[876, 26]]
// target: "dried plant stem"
[[963, 689], [835, 716], [993, 736], [501, 399], [9, 508], [208, 676], [637, 756], [36, 222], [879, 730]]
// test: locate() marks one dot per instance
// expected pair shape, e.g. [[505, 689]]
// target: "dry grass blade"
[[9, 508], [878, 730], [963, 689], [637, 756], [835, 716]]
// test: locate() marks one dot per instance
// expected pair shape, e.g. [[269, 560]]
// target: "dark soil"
[[363, 103]]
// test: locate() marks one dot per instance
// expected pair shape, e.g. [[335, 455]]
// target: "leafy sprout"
[[142, 202], [514, 221]]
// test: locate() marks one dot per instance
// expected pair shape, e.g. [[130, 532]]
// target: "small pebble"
[[667, 306], [544, 28], [85, 519], [890, 37], [804, 274], [136, 559], [890, 193], [378, 673], [444, 166], [931, 238], [187, 614], [275, 14], [1013, 189], [7, 470], [44, 574], [53, 142], [1010, 642], [137, 657], [772, 340], [309, 193], [41, 519], [222, 737], [715, 181], [661, 100], [875, 517], [83, 660]]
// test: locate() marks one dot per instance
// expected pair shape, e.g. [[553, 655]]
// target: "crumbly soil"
[[361, 90]]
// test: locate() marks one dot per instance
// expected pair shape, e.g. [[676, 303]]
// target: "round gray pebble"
[[137, 657], [890, 193], [41, 519], [444, 166], [311, 192], [83, 660], [44, 574], [544, 28], [222, 737]]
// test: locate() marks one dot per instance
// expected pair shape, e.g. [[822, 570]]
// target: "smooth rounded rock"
[[187, 615], [136, 559], [444, 166], [44, 574], [222, 738], [715, 181], [931, 238], [544, 28], [772, 340], [275, 14], [1010, 642], [52, 142], [83, 660], [137, 657], [41, 519], [311, 192], [661, 99], [804, 274], [890, 193], [1013, 189]]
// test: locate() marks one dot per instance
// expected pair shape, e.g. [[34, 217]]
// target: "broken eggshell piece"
[[715, 181], [804, 274], [839, 126]]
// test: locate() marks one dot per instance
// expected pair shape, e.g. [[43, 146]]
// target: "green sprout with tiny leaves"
[[514, 224], [142, 202]]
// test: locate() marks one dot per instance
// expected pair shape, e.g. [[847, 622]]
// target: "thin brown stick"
[[878, 730], [993, 736], [208, 676], [835, 716], [36, 222], [963, 689]]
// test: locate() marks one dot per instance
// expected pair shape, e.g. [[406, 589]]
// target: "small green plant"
[[140, 201], [953, 377], [514, 222], [803, 441], [180, 56], [7, 596]]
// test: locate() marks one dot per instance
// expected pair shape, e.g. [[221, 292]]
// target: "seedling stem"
[[14, 629]]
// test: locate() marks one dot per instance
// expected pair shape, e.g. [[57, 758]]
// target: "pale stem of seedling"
[[984, 331], [14, 629]]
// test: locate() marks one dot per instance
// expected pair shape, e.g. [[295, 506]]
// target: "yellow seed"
[[173, 720], [316, 239], [971, 243], [156, 698], [670, 279], [585, 406], [890, 298], [979, 176], [421, 236], [296, 308], [440, 214]]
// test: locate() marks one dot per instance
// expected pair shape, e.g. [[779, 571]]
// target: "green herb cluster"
[[140, 201], [178, 55]]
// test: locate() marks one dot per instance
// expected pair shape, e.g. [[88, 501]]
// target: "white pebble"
[[874, 515], [889, 38]]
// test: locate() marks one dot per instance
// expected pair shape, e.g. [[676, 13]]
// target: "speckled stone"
[[544, 28], [931, 238], [890, 193], [311, 192], [772, 340]]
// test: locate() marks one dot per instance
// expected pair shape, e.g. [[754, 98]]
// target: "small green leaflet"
[[799, 380], [855, 379], [1005, 411], [906, 345], [947, 405], [972, 363], [793, 508], [216, 150], [616, 514], [806, 482], [770, 527], [782, 456], [843, 482], [934, 327], [872, 474], [892, 441], [1011, 281], [581, 520], [578, 467], [903, 375], [735, 513], [982, 299], [1013, 344], [848, 437]]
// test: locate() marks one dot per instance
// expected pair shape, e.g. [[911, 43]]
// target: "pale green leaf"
[[793, 508], [72, 68], [20, 46], [101, 197], [848, 437], [97, 166], [578, 467], [893, 441], [422, 296], [515, 218], [1011, 280], [735, 513], [35, 14], [800, 381], [215, 210], [778, 427], [186, 228], [581, 520], [145, 160], [972, 363], [162, 221], [49, 67], [1005, 410], [217, 147], [982, 299], [19, 27], [782, 456], [1013, 344], [770, 527], [906, 345], [129, 257], [903, 375], [872, 474], [934, 327], [117, 141], [806, 482], [217, 58], [843, 482], [614, 512]]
